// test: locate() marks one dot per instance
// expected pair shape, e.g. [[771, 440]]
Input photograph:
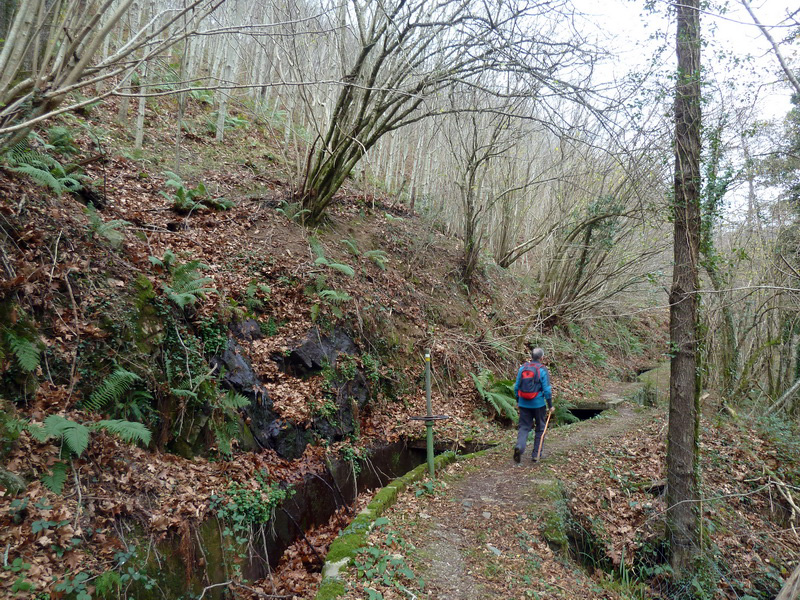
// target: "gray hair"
[[537, 354]]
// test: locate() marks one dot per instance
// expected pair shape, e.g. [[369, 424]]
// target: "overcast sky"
[[624, 26]]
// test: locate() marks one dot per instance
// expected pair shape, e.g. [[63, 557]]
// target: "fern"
[[253, 292], [219, 203], [316, 248], [109, 230], [62, 140], [187, 285], [111, 390], [292, 211], [224, 433], [127, 431], [378, 257], [342, 268], [392, 219], [186, 199], [233, 401], [107, 583], [42, 168], [25, 351], [352, 247], [335, 296], [54, 481], [499, 394], [41, 176], [165, 262], [75, 436]]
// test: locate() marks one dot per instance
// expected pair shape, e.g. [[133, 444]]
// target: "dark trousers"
[[527, 417]]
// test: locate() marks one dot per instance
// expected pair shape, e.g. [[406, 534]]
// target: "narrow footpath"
[[492, 528]]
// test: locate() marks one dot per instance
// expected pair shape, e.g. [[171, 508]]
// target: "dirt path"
[[484, 540]]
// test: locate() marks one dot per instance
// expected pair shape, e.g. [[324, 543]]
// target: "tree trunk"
[[140, 112], [224, 95], [791, 589], [682, 437]]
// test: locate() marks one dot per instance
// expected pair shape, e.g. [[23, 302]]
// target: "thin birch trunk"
[[224, 95]]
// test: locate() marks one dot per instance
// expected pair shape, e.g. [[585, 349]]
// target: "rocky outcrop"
[[318, 350], [349, 390]]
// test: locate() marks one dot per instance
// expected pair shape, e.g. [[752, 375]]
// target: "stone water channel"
[[203, 557]]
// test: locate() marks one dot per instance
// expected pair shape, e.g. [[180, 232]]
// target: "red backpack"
[[531, 381]]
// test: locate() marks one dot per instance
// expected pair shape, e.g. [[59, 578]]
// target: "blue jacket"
[[539, 401]]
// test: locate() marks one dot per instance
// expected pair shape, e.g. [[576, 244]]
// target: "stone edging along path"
[[353, 537]]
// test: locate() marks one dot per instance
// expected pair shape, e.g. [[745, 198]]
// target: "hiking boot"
[[534, 458], [517, 454]]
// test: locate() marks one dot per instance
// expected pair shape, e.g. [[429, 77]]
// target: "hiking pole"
[[541, 442]]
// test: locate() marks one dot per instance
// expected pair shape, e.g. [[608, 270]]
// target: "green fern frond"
[[499, 394], [352, 247], [74, 435], [173, 180], [187, 285], [503, 405], [379, 257], [219, 203], [127, 431], [38, 432], [315, 308], [111, 390], [224, 433], [186, 274], [25, 351], [40, 176], [292, 210], [109, 230], [166, 262], [233, 401], [392, 218], [54, 481], [335, 296], [316, 248], [342, 268], [107, 584]]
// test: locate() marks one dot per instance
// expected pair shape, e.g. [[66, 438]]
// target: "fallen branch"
[[212, 586], [258, 593]]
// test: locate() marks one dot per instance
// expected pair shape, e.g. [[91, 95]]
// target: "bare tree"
[[790, 76], [51, 52], [407, 52]]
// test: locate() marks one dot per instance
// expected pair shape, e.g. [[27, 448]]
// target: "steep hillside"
[[181, 351]]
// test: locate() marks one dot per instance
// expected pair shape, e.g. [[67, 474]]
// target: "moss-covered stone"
[[330, 588], [554, 529], [354, 536], [12, 483]]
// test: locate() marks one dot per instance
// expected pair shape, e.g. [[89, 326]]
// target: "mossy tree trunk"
[[682, 436]]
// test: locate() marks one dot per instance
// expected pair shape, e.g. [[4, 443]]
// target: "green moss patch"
[[344, 548]]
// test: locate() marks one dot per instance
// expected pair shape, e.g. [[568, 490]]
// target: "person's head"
[[537, 354]]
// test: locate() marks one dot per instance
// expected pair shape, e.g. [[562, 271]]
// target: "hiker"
[[532, 389]]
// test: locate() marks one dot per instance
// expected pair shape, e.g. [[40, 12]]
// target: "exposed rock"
[[317, 351], [350, 396], [239, 375], [314, 352], [247, 330]]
